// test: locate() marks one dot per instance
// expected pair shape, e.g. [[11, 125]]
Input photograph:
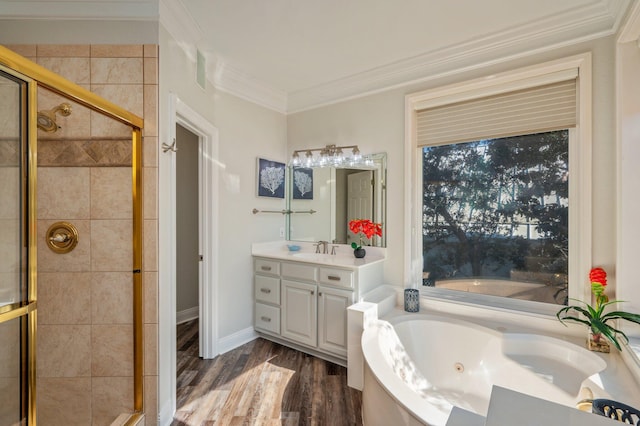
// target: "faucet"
[[325, 247]]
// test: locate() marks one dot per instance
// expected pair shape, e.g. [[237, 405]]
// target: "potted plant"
[[595, 316], [366, 228]]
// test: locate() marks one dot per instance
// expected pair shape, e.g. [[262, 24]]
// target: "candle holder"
[[411, 300]]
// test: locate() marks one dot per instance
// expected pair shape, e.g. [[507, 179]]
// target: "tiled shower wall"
[[85, 309]]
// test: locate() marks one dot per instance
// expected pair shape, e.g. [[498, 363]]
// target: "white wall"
[[246, 131], [376, 124], [628, 61]]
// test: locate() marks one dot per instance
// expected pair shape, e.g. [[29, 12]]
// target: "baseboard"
[[165, 416], [187, 315], [239, 338]]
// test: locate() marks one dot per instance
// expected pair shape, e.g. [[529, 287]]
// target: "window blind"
[[526, 111]]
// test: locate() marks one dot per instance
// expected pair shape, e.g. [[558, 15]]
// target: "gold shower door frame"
[[36, 76]]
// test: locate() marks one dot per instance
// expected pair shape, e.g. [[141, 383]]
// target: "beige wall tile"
[[10, 255], [150, 70], [150, 151], [150, 110], [150, 50], [78, 260], [63, 50], [112, 298], [63, 192], [128, 96], [116, 71], [64, 401], [76, 70], [150, 182], [151, 400], [10, 397], [110, 396], [111, 245], [64, 298], [116, 50], [150, 297], [76, 125], [64, 351], [10, 193], [150, 245], [112, 350], [111, 193], [28, 50], [151, 349], [10, 112], [10, 349]]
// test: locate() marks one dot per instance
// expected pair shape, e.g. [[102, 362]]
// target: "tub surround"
[[301, 298], [614, 382]]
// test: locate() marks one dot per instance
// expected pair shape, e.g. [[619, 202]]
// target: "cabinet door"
[[298, 321], [332, 319]]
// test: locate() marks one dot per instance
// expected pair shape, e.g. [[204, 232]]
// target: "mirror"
[[337, 195]]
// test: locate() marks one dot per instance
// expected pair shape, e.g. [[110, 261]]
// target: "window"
[[495, 216], [501, 187]]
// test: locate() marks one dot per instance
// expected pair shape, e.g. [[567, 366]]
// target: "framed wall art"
[[302, 183], [270, 178]]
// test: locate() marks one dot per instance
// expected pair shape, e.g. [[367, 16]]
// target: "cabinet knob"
[[265, 319], [312, 292], [265, 290], [265, 268], [333, 278], [320, 293]]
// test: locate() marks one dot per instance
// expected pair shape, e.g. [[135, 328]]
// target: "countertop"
[[307, 254]]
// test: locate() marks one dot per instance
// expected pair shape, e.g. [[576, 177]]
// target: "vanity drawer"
[[267, 289], [267, 318], [300, 271], [265, 266], [336, 277]]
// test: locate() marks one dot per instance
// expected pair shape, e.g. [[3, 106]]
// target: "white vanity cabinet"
[[267, 295], [298, 314], [310, 300]]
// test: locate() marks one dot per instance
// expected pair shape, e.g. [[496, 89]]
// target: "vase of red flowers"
[[365, 228], [600, 332]]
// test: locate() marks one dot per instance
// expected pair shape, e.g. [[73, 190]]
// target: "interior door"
[[17, 250], [359, 200]]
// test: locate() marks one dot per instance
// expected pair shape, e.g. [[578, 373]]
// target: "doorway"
[[188, 255], [208, 183]]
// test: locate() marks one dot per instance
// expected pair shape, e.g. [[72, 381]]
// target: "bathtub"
[[418, 367]]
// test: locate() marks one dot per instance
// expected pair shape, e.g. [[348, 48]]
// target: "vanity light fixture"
[[330, 155]]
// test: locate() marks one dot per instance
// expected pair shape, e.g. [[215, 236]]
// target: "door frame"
[[181, 113]]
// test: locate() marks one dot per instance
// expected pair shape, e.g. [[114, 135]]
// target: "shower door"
[[17, 252]]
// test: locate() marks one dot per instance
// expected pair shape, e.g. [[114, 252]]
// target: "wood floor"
[[260, 383]]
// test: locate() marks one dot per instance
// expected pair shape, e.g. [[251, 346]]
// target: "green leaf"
[[354, 246], [621, 315]]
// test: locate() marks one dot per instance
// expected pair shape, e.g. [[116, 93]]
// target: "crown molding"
[[630, 30], [184, 29], [599, 19], [181, 25], [233, 81]]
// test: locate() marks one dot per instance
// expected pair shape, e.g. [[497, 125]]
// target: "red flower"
[[598, 278], [598, 275], [366, 227]]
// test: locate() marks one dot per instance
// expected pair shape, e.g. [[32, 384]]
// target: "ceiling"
[[297, 54]]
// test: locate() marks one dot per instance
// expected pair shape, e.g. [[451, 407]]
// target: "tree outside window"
[[495, 216]]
